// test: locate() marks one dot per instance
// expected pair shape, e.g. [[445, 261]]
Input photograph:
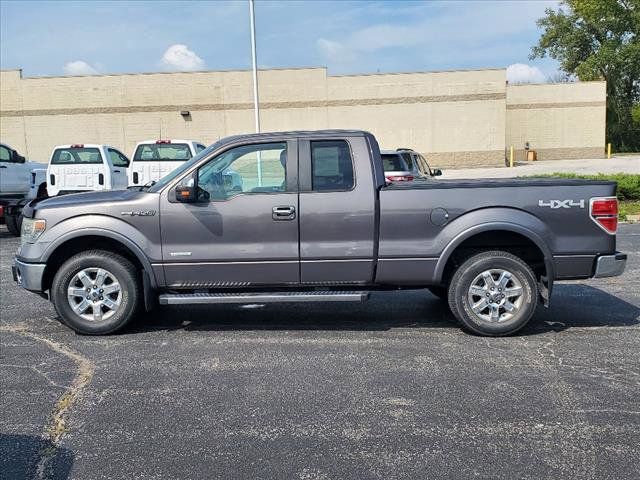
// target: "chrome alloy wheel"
[[94, 294], [495, 295]]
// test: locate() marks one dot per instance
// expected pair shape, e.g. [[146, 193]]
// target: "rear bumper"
[[610, 265], [28, 275]]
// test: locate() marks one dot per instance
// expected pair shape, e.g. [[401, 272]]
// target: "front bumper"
[[28, 275], [610, 265]]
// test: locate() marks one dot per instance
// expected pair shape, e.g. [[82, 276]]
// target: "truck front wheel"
[[96, 292], [493, 293], [14, 224]]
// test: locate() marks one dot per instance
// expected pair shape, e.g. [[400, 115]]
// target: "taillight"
[[399, 178], [604, 211], [1, 211]]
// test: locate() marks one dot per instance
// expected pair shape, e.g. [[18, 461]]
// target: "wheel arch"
[[90, 239]]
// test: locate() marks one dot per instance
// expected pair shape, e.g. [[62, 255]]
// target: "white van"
[[153, 159], [85, 168]]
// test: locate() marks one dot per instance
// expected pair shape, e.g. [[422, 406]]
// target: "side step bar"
[[271, 297]]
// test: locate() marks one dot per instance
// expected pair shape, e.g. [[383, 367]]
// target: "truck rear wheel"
[[493, 293], [96, 292]]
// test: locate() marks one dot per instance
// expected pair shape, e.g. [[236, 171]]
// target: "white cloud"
[[79, 67], [179, 57], [335, 51], [521, 73]]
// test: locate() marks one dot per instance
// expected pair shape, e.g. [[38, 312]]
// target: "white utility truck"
[[153, 159], [85, 168], [20, 181]]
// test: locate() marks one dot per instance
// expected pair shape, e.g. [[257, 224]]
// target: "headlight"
[[31, 230]]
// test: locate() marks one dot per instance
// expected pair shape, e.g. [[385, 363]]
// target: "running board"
[[274, 297]]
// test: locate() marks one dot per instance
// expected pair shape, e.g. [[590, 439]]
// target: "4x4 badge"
[[561, 203]]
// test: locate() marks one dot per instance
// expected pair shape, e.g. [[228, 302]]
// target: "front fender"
[[144, 248]]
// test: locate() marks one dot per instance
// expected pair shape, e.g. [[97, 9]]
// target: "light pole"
[[256, 105]]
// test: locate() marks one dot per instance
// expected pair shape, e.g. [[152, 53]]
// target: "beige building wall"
[[457, 119], [560, 121]]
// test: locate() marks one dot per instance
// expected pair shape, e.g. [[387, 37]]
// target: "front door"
[[14, 176], [119, 164], [243, 230]]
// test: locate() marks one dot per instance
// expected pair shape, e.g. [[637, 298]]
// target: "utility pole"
[[256, 105]]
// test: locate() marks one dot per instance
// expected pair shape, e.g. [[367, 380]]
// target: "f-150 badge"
[[140, 213], [554, 204]]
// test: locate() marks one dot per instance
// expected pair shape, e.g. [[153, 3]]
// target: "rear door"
[[337, 211], [118, 166], [243, 231], [14, 176]]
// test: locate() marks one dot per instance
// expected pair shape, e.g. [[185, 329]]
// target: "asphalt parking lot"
[[388, 389]]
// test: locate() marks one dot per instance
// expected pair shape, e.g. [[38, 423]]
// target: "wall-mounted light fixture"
[[185, 113]]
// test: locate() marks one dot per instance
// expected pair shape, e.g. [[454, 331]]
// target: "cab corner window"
[[5, 154], [331, 166], [256, 168]]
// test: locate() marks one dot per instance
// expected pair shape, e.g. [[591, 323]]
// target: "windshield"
[[157, 152], [164, 181], [76, 155], [392, 162]]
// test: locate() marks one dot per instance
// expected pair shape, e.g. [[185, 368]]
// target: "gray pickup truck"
[[308, 216]]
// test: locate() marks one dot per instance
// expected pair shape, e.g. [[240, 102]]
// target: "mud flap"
[[150, 299], [544, 289]]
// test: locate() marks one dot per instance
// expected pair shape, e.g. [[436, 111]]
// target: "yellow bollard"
[[511, 156], [608, 150]]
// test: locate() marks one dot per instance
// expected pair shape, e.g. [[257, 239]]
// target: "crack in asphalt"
[[57, 427]]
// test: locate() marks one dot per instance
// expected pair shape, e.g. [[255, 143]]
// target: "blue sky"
[[348, 37]]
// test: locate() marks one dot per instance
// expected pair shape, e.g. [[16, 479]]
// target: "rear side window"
[[392, 162], [200, 147], [76, 155], [158, 152], [118, 159], [408, 160], [5, 154], [331, 165]]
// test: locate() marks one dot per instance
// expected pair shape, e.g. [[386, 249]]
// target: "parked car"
[[418, 164], [20, 181], [85, 168], [406, 165], [315, 220], [153, 159]]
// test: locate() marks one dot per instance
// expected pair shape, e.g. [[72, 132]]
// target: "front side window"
[[65, 156], [5, 154], [158, 152], [331, 166], [118, 159], [258, 168]]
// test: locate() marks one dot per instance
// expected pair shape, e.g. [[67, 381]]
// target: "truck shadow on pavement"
[[21, 455], [573, 305]]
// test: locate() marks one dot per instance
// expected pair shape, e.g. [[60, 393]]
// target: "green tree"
[[599, 40]]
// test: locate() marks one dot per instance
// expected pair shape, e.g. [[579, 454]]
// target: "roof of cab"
[[172, 140], [84, 145]]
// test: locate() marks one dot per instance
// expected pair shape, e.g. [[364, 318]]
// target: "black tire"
[[440, 292], [495, 319], [129, 295], [14, 224]]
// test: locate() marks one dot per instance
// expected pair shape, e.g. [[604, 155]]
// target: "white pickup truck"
[[20, 181], [153, 159], [85, 168]]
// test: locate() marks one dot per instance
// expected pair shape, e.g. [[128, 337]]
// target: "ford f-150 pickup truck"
[[314, 220]]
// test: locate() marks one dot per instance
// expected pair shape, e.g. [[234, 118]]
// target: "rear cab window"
[[393, 162], [159, 152], [331, 166], [76, 155]]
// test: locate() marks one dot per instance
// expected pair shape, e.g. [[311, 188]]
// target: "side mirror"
[[185, 194], [17, 158], [436, 172]]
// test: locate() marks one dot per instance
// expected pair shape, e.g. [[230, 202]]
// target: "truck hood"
[[103, 203], [36, 165]]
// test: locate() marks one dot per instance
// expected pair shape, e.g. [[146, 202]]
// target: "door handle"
[[116, 171], [283, 213], [3, 166]]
